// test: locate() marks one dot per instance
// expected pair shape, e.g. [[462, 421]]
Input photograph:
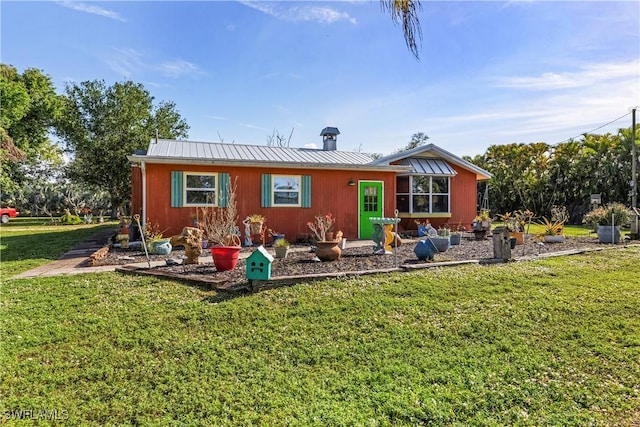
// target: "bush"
[[70, 219], [602, 215]]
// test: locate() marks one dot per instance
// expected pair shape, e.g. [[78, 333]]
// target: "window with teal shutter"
[[284, 191], [176, 189]]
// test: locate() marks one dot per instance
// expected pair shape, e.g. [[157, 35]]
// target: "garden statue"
[[191, 239], [247, 232]]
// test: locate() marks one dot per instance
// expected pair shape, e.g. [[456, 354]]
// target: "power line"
[[592, 130]]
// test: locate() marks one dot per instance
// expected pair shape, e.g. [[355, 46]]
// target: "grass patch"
[[26, 243], [551, 342]]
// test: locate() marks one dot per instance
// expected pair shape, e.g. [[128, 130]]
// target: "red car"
[[6, 213]]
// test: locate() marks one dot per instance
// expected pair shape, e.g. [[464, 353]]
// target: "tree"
[[29, 107], [405, 12], [276, 139], [417, 139], [102, 125]]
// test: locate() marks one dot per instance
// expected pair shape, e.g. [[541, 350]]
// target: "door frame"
[[361, 182]]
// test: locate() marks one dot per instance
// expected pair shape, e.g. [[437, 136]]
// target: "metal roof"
[[183, 150], [426, 166], [431, 151]]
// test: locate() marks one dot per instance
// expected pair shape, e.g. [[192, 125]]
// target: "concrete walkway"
[[76, 260]]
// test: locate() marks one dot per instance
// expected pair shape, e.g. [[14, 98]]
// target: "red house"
[[290, 186]]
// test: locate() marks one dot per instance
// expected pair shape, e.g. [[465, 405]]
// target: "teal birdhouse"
[[259, 264]]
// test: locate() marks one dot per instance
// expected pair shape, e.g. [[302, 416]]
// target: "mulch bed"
[[300, 264]]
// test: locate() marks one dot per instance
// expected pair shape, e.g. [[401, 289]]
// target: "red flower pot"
[[225, 257]]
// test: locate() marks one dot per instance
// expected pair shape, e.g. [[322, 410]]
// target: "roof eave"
[[278, 165]]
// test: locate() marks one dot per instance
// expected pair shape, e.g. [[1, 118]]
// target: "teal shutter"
[[223, 190], [176, 189], [306, 191], [265, 200]]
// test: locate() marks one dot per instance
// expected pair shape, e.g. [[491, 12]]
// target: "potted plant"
[[552, 231], [281, 247], [441, 240], [326, 250], [559, 214], [608, 219], [220, 226], [256, 221], [157, 244], [456, 234]]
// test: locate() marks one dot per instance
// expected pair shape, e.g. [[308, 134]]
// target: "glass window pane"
[[420, 184], [201, 197], [285, 198], [440, 185], [420, 203], [201, 181], [402, 203], [440, 203]]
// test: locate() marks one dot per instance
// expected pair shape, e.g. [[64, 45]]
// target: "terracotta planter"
[[328, 236], [328, 251], [225, 257], [519, 236], [256, 228]]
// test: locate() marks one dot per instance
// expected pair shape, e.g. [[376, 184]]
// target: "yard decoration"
[[191, 239], [329, 250], [481, 224], [383, 236], [608, 219], [425, 250], [259, 265]]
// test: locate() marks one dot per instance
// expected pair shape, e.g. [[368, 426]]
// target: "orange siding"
[[464, 190], [330, 192]]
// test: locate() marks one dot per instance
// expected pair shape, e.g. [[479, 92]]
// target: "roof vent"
[[329, 137]]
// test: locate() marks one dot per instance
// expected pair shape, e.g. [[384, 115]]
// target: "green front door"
[[370, 204]]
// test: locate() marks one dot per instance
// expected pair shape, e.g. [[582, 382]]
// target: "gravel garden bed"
[[356, 259]]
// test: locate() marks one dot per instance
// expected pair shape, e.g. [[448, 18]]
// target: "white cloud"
[[285, 12], [128, 61], [92, 9], [588, 75], [179, 67]]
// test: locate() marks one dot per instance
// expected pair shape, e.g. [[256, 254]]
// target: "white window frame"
[[185, 189], [274, 181], [429, 194]]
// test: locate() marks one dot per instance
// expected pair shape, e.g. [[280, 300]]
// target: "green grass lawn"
[[27, 243], [550, 342]]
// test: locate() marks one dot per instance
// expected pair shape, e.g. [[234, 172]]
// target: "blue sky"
[[490, 72]]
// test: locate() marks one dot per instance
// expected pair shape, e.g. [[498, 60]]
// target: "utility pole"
[[634, 161]]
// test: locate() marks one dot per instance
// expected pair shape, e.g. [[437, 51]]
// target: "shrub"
[[602, 215]]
